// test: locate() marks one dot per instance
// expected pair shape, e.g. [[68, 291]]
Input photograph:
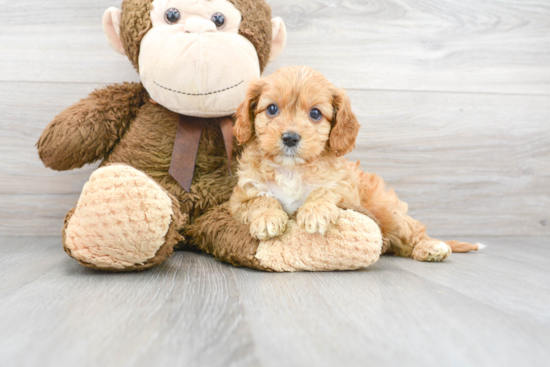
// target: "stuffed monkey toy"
[[166, 146]]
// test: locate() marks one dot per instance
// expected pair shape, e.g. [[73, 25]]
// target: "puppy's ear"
[[344, 126], [246, 112]]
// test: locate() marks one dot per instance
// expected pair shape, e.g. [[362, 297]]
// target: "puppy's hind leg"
[[407, 237], [403, 235], [434, 250]]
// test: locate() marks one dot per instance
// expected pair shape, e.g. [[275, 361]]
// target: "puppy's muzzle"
[[291, 139]]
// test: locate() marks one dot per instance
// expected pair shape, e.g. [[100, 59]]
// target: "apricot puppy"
[[297, 127]]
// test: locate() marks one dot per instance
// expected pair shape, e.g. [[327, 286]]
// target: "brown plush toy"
[[167, 150]]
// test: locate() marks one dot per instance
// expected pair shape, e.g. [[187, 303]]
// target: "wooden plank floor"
[[480, 309]]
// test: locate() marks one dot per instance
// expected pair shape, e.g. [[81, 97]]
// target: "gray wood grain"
[[471, 157], [37, 215], [58, 313], [436, 45], [423, 45], [501, 271], [479, 309], [21, 171], [391, 317], [467, 164]]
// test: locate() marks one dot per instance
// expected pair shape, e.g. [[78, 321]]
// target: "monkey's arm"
[[88, 130]]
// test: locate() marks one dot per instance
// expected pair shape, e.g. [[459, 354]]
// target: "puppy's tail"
[[458, 246]]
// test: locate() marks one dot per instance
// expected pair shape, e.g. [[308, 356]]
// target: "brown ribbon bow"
[[186, 147]]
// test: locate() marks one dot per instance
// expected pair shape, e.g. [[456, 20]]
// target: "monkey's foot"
[[123, 221], [353, 242], [431, 250]]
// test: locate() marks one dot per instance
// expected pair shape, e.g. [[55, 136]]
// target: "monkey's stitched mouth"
[[200, 94]]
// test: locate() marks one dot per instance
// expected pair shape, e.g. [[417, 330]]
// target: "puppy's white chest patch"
[[289, 189]]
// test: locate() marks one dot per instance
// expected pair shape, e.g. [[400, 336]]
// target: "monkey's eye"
[[172, 16], [315, 114], [219, 20], [272, 110]]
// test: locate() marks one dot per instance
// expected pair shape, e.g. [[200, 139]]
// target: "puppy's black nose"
[[291, 139]]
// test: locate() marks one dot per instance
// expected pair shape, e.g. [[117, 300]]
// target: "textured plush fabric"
[[192, 68], [121, 206], [132, 212], [111, 26], [119, 124], [220, 235], [148, 143], [343, 247], [89, 129], [255, 26]]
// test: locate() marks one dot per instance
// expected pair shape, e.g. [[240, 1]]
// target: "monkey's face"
[[194, 61], [196, 57]]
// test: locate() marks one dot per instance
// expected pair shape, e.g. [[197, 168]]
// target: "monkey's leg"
[[353, 242], [220, 235], [123, 221]]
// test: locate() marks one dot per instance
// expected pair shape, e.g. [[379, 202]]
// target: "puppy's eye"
[[315, 114], [172, 16], [219, 20], [272, 110]]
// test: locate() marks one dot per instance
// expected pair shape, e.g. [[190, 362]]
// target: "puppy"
[[297, 127]]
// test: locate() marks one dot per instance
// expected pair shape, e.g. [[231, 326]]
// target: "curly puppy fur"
[[312, 178]]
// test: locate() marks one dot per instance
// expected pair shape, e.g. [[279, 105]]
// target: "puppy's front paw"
[[317, 217], [269, 224]]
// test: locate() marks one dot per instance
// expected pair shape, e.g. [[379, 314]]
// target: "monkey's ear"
[[279, 38], [246, 113], [111, 26], [344, 126]]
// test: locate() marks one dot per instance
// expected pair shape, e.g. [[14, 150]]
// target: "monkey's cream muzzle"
[[193, 60], [195, 70]]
